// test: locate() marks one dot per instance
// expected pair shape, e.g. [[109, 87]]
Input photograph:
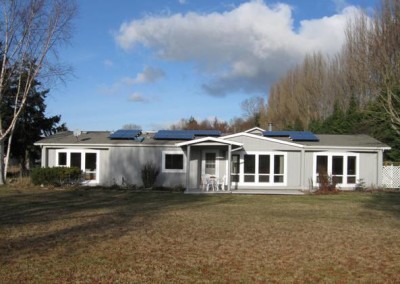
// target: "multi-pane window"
[[210, 167], [249, 168], [86, 160], [351, 169], [341, 167], [258, 168], [235, 168], [278, 169], [264, 168]]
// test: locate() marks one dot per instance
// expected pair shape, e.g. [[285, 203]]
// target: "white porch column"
[[187, 167], [228, 174]]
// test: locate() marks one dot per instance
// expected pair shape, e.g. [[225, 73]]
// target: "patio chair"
[[221, 182], [206, 183]]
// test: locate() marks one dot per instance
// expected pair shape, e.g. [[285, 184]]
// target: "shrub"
[[149, 175], [327, 184], [55, 176]]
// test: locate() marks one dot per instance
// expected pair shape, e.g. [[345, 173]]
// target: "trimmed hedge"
[[55, 176]]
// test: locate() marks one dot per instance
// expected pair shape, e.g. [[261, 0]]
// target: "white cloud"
[[149, 75], [244, 49], [137, 98], [182, 2]]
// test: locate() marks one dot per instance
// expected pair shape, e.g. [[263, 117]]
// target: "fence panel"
[[391, 176]]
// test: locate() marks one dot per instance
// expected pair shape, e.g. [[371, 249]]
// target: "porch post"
[[228, 176], [187, 167]]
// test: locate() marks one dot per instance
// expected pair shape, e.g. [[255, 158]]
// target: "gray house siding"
[[262, 144], [125, 163]]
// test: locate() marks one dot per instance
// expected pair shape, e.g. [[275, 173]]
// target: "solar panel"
[[125, 134], [216, 133], [304, 136], [173, 135], [277, 133], [293, 135], [184, 134]]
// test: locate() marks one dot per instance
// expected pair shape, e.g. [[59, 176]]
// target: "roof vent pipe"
[[270, 124]]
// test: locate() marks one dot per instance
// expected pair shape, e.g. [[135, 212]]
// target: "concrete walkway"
[[249, 191]]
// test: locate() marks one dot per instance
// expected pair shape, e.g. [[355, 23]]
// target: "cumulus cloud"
[[244, 49], [149, 75]]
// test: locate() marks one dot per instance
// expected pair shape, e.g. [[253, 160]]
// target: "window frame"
[[345, 175], [83, 153], [164, 160], [271, 175]]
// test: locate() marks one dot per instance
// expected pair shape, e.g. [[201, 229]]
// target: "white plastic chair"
[[221, 182], [206, 183]]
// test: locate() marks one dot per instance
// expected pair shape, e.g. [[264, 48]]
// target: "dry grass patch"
[[105, 236]]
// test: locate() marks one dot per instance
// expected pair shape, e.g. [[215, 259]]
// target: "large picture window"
[[173, 162], [341, 167]]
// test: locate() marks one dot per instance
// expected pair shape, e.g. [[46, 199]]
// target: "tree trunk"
[[2, 179]]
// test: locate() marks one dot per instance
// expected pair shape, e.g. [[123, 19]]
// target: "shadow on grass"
[[39, 222], [385, 201]]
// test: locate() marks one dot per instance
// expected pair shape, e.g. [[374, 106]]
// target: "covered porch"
[[208, 164]]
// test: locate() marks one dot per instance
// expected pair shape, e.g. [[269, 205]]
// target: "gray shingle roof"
[[339, 140], [101, 138]]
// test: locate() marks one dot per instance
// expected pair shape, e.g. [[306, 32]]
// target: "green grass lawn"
[[104, 236]]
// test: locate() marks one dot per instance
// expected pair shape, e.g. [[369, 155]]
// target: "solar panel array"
[[125, 134], [293, 135], [184, 134]]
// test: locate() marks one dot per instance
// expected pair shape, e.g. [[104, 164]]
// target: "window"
[[249, 168], [337, 169], [76, 160], [235, 168], [278, 168], [62, 159], [90, 166], [173, 162], [351, 170], [210, 163], [86, 160], [263, 168], [342, 167], [259, 168]]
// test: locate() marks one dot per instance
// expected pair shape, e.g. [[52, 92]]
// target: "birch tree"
[[31, 32]]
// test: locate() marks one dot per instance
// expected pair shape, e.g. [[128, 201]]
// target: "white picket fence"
[[391, 176]]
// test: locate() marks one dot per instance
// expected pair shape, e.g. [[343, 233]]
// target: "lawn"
[[104, 236]]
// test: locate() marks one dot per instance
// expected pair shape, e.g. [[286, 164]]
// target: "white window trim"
[[164, 170], [203, 161], [83, 161], [329, 170], [272, 162]]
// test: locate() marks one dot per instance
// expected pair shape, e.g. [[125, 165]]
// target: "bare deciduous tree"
[[31, 33]]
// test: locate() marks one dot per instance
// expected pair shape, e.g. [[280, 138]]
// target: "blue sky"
[[152, 63]]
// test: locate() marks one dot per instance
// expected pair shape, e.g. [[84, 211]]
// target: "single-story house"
[[249, 160]]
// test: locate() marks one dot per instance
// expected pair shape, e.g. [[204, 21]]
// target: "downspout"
[[187, 168], [302, 170]]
